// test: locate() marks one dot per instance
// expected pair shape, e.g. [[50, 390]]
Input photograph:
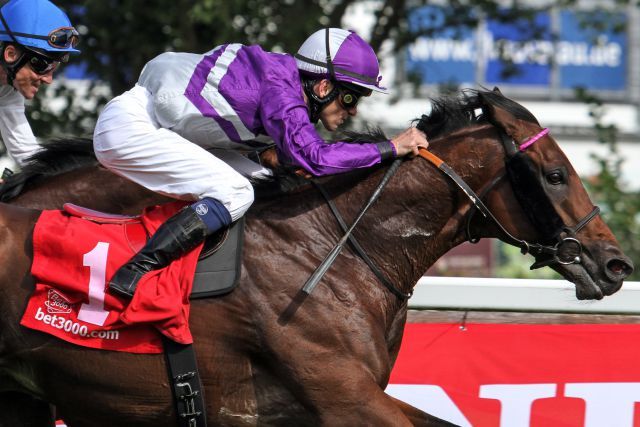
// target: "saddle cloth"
[[219, 263], [74, 259]]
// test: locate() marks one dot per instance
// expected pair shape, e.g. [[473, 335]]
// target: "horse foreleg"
[[418, 417], [373, 407], [17, 409]]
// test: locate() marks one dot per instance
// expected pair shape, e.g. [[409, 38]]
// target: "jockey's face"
[[27, 82], [334, 114]]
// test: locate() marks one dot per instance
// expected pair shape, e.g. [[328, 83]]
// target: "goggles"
[[62, 38], [348, 99], [41, 65]]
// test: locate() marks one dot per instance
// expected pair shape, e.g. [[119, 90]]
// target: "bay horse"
[[268, 354]]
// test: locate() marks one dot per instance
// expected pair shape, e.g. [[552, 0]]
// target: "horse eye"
[[555, 177]]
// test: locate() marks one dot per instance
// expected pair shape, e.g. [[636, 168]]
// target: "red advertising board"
[[529, 375]]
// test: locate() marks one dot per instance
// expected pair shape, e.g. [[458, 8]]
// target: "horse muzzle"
[[606, 268]]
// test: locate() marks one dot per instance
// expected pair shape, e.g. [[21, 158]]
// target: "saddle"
[[218, 269]]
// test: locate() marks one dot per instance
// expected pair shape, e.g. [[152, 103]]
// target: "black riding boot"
[[177, 236]]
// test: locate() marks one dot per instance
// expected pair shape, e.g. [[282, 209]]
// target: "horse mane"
[[56, 157], [453, 112]]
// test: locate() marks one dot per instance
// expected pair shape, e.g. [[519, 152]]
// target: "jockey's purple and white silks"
[[238, 93], [15, 130], [231, 97]]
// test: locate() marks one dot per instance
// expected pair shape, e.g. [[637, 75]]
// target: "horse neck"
[[16, 225], [421, 214]]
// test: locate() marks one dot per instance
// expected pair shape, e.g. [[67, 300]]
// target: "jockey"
[[234, 97], [35, 37]]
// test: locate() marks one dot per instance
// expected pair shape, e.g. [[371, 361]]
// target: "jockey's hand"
[[269, 158], [303, 173], [408, 142]]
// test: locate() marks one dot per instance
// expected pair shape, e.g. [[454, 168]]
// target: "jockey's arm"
[[285, 118], [15, 130]]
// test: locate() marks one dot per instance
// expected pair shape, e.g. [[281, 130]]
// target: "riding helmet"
[[39, 26], [340, 55]]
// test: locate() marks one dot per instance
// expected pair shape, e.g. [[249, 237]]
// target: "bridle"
[[562, 246]]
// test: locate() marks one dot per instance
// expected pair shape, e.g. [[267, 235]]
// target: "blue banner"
[[448, 56], [594, 60], [582, 57], [515, 43]]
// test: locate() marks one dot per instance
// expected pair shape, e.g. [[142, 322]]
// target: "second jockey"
[[35, 37], [232, 97]]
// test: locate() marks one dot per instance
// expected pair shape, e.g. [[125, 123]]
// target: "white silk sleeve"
[[15, 130]]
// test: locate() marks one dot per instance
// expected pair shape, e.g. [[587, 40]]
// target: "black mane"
[[453, 112], [57, 156]]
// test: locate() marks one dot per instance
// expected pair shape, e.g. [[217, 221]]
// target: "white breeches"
[[128, 141]]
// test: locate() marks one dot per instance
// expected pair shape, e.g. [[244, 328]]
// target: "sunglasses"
[[41, 65]]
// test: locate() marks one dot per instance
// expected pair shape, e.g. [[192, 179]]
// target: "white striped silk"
[[216, 100]]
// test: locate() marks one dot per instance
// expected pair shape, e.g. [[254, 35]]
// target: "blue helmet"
[[38, 25]]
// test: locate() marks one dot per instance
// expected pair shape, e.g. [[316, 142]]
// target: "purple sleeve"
[[284, 117]]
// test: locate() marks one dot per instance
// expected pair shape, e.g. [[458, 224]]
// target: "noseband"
[[561, 246]]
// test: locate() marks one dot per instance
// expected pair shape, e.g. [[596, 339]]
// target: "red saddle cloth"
[[73, 261]]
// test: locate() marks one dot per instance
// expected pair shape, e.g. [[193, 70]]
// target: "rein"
[[565, 251], [319, 272], [402, 296]]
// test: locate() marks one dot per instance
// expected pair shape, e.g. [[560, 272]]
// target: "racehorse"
[[269, 354]]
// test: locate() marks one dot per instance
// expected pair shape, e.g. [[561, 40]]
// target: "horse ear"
[[497, 90], [497, 115]]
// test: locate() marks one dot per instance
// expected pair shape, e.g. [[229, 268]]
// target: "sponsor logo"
[[56, 303], [202, 209], [75, 328]]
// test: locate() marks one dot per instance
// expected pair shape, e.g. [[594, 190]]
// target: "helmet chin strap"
[[10, 72], [12, 68], [316, 103]]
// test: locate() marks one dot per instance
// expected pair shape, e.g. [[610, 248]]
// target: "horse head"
[[542, 206]]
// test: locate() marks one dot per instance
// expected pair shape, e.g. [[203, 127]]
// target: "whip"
[[319, 272]]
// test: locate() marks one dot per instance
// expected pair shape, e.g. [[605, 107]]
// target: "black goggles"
[[348, 98], [40, 64]]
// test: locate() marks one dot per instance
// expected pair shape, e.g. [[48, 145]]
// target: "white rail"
[[463, 293]]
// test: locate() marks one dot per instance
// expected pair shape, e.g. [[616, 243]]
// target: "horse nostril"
[[620, 268]]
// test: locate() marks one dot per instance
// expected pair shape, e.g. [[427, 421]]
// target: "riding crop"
[[319, 272]]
